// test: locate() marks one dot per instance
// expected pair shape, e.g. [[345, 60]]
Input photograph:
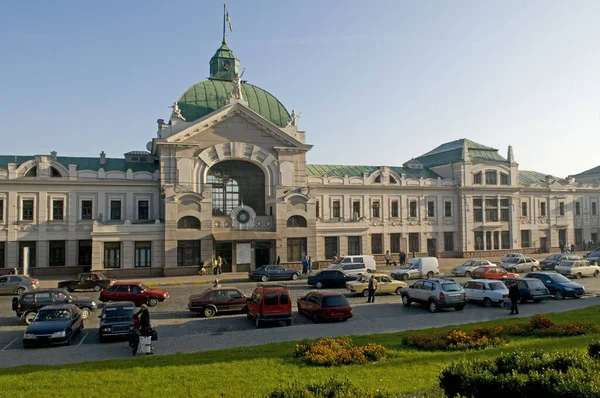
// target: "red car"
[[213, 301], [133, 291], [492, 272], [325, 306]]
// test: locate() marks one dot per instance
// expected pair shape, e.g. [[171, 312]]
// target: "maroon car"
[[133, 291], [325, 306], [212, 301]]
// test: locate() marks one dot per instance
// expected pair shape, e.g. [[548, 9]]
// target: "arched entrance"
[[236, 182]]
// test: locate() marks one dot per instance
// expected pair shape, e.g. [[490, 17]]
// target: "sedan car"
[[467, 268], [330, 278], [134, 291], [17, 284], [385, 284], [508, 256], [577, 268], [54, 324], [325, 306], [525, 264], [87, 281], [212, 301], [492, 272], [559, 286], [486, 291], [531, 289], [116, 320], [551, 262], [435, 294], [273, 272]]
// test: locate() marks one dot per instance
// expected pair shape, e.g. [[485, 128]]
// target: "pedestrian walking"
[[402, 258], [215, 266], [216, 284], [278, 260], [562, 248], [572, 248], [220, 265], [304, 266], [387, 258], [515, 295], [335, 257], [372, 289]]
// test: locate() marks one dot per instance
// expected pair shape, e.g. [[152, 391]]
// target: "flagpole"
[[224, 33]]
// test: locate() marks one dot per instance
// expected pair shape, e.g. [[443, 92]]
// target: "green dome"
[[210, 95]]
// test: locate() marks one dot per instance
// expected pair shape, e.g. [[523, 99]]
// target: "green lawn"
[[256, 371]]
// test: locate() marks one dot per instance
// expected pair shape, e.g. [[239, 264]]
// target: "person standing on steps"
[[387, 258], [304, 266], [515, 295], [372, 289], [278, 260]]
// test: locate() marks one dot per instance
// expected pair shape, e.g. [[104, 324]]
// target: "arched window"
[[234, 183], [32, 172], [393, 180], [296, 222], [54, 172], [188, 222], [377, 179]]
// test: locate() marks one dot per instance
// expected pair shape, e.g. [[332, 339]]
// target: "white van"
[[354, 265], [422, 267]]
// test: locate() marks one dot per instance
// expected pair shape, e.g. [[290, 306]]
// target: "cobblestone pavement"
[[181, 331]]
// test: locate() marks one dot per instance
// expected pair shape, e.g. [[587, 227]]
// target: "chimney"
[[102, 158], [510, 157], [53, 155]]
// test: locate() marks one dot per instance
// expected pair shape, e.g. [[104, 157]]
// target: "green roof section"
[[323, 170], [83, 163], [594, 170], [210, 95], [452, 152], [533, 177]]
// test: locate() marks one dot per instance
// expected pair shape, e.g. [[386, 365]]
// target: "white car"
[[467, 268], [577, 268], [508, 256], [525, 264], [486, 291]]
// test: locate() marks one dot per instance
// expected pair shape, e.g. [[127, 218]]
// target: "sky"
[[376, 83]]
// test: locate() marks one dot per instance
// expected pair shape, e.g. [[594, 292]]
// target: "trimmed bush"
[[329, 389], [338, 351], [594, 349]]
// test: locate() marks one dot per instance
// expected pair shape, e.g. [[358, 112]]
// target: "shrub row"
[[338, 351], [329, 389]]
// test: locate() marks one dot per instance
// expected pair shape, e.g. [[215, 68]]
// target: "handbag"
[[154, 335]]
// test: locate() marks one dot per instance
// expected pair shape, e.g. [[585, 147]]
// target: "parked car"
[[216, 300], [492, 272], [325, 306], [422, 267], [330, 278], [558, 286], [17, 284], [343, 262], [467, 268], [486, 291], [29, 303], [87, 281], [133, 291], [116, 320], [531, 289], [273, 273], [435, 294], [551, 262], [270, 303], [352, 269], [577, 268], [54, 324], [508, 256], [385, 284], [517, 264], [593, 254]]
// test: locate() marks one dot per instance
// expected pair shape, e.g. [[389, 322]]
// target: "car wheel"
[[398, 291], [406, 300], [405, 277], [513, 270], [264, 278], [20, 291], [430, 274], [29, 317], [319, 285], [97, 288], [459, 307], [533, 269], [596, 273], [578, 275], [85, 313], [366, 293], [209, 312], [559, 295], [432, 306], [294, 277], [468, 274], [487, 302], [152, 302]]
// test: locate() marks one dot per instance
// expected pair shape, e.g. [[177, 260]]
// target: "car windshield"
[[451, 287], [467, 264], [554, 257], [143, 287], [497, 286], [335, 301], [118, 312], [513, 260], [53, 315], [101, 276], [363, 278], [338, 261], [558, 278]]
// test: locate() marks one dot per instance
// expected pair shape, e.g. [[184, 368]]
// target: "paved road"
[[182, 331]]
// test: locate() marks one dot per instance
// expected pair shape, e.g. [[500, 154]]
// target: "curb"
[[199, 282]]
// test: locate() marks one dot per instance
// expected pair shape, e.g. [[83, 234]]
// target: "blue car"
[[54, 324], [559, 286]]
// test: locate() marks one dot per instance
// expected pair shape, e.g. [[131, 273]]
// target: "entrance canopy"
[[243, 235]]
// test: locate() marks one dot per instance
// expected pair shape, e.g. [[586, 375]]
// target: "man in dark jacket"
[[515, 295], [372, 289]]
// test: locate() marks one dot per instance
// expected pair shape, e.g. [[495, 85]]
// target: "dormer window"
[[504, 179], [32, 172], [377, 179], [54, 172], [393, 180], [477, 178], [491, 178]]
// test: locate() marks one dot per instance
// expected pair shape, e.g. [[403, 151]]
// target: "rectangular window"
[[413, 209], [479, 240], [594, 211], [504, 211], [525, 238], [491, 178], [86, 209], [503, 179], [488, 240], [430, 209], [578, 236], [2, 255], [188, 252], [32, 256], [84, 252], [296, 248], [395, 209], [143, 254], [143, 210], [376, 244], [491, 210], [561, 208], [354, 245], [447, 209], [115, 209], [505, 239], [1, 209], [356, 209], [27, 214], [477, 210], [395, 243], [477, 178], [449, 241], [57, 253], [562, 237], [331, 247], [317, 210], [413, 242], [112, 254], [335, 211], [496, 240], [523, 209], [376, 213], [577, 208], [58, 208], [543, 209]]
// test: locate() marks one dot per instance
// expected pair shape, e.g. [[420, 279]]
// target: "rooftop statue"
[[177, 111], [237, 86], [293, 119]]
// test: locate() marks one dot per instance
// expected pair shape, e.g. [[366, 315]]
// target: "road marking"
[[84, 336], [9, 344]]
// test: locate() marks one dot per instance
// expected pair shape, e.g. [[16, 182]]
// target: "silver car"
[[577, 268], [525, 264], [467, 268], [435, 294], [17, 284]]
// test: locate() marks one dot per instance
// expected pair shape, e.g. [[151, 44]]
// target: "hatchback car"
[[54, 324], [330, 278], [517, 264], [577, 268], [551, 262], [273, 273], [29, 303], [435, 294], [492, 272], [467, 268], [385, 285], [508, 256], [486, 291], [116, 320], [218, 300], [270, 303], [134, 291], [17, 284], [531, 289], [325, 306], [559, 286]]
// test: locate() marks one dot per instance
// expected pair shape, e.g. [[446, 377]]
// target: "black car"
[[273, 273], [116, 319], [550, 262], [87, 281], [54, 324], [532, 289], [29, 303], [330, 278]]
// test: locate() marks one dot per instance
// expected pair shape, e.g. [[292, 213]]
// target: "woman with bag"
[[145, 331]]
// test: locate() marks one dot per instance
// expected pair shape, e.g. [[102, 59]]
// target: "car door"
[[60, 298], [220, 300], [77, 282], [237, 300], [547, 281], [416, 291], [88, 282], [305, 303], [137, 295], [121, 293], [4, 289], [311, 304], [470, 290], [384, 284]]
